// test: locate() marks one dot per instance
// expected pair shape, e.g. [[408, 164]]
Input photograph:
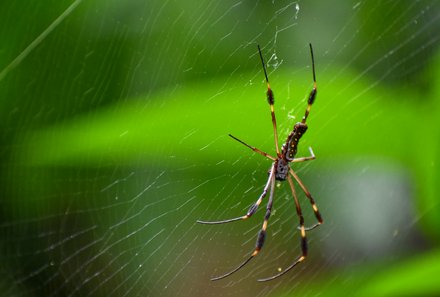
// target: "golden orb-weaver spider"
[[280, 171]]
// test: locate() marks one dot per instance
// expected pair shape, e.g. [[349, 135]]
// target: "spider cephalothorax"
[[281, 171]]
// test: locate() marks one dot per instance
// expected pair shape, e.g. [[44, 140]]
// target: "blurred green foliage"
[[117, 135]]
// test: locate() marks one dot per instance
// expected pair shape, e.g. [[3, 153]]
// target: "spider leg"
[[314, 91], [261, 234], [253, 207], [302, 159], [253, 148], [271, 101], [309, 196], [303, 235]]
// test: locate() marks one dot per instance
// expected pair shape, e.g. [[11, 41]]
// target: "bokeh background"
[[115, 117]]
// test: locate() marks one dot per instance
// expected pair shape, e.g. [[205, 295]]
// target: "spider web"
[[104, 224]]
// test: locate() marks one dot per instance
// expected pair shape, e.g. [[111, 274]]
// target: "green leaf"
[[417, 276], [351, 117]]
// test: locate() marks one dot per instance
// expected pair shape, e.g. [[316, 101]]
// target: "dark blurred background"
[[115, 118]]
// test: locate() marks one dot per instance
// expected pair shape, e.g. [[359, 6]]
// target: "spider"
[[280, 171]]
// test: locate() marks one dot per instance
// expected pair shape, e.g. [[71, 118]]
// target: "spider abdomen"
[[291, 145]]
